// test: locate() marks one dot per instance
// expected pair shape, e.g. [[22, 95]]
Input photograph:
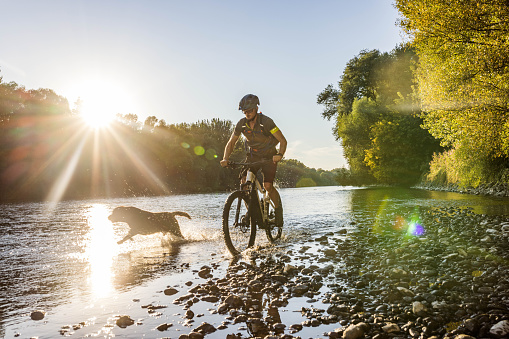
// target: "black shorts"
[[268, 168]]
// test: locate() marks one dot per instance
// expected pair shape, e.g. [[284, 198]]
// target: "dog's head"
[[119, 214]]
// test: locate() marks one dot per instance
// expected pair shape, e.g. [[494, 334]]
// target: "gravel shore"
[[442, 276]]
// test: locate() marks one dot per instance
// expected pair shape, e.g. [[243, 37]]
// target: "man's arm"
[[282, 146], [228, 150]]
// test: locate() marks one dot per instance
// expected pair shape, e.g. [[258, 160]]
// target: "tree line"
[[435, 108], [47, 153]]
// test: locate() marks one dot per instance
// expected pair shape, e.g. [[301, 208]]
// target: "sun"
[[100, 101]]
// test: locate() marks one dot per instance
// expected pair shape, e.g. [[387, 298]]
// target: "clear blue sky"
[[185, 61]]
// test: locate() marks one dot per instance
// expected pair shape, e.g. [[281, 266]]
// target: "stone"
[[164, 327], [500, 329], [353, 332], [170, 291], [418, 308], [204, 328], [124, 321], [300, 289], [234, 301], [37, 315], [391, 328]]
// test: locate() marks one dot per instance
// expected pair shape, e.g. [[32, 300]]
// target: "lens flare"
[[415, 229], [198, 150]]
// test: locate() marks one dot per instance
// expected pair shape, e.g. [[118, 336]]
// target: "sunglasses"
[[247, 111]]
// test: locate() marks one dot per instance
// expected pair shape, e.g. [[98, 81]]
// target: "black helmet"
[[249, 101]]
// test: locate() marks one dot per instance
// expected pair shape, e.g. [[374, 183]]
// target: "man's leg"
[[278, 207], [273, 193]]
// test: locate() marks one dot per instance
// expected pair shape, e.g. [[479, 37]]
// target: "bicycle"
[[244, 210]]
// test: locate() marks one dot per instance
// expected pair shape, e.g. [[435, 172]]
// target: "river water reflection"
[[69, 255]]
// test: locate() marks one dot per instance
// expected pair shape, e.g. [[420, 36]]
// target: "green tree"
[[376, 114], [463, 72]]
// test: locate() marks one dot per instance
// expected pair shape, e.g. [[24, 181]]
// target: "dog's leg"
[[127, 237]]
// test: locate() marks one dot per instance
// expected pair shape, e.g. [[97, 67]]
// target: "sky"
[[193, 60]]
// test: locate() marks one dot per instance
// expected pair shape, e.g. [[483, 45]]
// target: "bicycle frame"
[[245, 211], [262, 206]]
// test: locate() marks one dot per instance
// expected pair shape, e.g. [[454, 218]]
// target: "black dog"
[[143, 222]]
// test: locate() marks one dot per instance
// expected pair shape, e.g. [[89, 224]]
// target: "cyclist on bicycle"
[[262, 135]]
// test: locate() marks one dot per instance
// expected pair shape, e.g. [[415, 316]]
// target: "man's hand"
[[224, 163], [277, 158]]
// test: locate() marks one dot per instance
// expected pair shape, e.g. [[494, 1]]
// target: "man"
[[262, 135]]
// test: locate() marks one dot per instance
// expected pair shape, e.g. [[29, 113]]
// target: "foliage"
[[463, 78], [47, 153], [377, 119], [293, 173], [459, 166]]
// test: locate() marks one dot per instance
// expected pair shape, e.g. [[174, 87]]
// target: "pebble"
[[37, 315]]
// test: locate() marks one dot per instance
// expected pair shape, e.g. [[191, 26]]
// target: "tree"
[[377, 115], [463, 73]]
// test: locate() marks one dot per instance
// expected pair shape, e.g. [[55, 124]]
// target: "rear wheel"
[[238, 229]]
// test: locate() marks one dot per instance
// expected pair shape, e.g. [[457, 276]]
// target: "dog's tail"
[[183, 214]]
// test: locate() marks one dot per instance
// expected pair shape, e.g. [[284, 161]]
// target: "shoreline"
[[493, 190]]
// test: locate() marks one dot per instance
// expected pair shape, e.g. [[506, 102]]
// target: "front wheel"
[[238, 229], [274, 227]]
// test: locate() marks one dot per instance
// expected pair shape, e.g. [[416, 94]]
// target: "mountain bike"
[[246, 209]]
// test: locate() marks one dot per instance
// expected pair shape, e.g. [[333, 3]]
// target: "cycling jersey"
[[260, 138]]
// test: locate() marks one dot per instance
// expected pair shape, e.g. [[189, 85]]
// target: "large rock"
[[500, 329], [354, 331]]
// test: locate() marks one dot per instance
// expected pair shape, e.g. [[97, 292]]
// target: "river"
[[64, 258]]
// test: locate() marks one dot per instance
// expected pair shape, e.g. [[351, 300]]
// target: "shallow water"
[[65, 259]]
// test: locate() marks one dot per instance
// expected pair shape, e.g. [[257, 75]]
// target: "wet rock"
[[205, 272], [471, 325], [210, 298], [354, 331], [300, 289], [124, 321], [234, 301], [204, 328], [391, 328], [279, 328], [330, 252], [183, 298], [37, 315], [418, 308], [500, 329], [170, 291], [289, 269], [258, 327], [295, 328], [242, 318], [189, 314], [280, 278], [163, 327]]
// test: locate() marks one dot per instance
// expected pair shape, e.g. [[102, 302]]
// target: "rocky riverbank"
[[443, 275], [494, 189]]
